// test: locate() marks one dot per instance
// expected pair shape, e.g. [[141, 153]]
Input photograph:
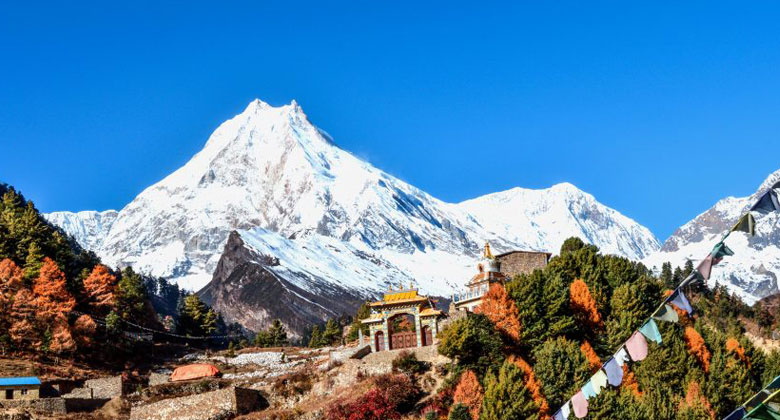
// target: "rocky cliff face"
[[753, 271], [247, 288]]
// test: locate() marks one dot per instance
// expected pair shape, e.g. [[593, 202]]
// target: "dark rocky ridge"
[[246, 290]]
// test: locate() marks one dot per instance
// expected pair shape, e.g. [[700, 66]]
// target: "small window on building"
[[9, 394], [24, 392]]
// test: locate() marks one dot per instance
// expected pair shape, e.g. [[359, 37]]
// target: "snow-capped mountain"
[[753, 269], [543, 219], [87, 227], [272, 175]]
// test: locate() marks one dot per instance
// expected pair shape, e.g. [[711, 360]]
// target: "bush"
[[374, 405], [296, 383], [407, 363], [399, 390]]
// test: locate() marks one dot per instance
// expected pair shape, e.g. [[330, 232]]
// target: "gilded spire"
[[487, 254]]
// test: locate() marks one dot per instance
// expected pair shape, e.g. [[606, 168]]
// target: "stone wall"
[[42, 405], [220, 404], [522, 262]]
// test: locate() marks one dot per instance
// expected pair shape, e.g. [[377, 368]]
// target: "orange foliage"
[[502, 310], [85, 328], [593, 359], [11, 276], [733, 346], [697, 347], [583, 303], [469, 392], [694, 397], [532, 384], [61, 337], [51, 295], [630, 383], [23, 315], [100, 286]]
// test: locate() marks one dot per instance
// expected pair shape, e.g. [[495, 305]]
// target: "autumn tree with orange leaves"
[[502, 310], [532, 384], [100, 287], [697, 347], [470, 393], [583, 304]]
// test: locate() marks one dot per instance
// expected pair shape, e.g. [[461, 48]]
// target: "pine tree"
[[469, 393], [562, 369], [316, 337], [277, 334], [33, 261], [474, 342], [130, 295], [506, 396], [627, 314], [666, 275], [209, 322], [332, 333]]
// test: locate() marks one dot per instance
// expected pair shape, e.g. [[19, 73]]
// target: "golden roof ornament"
[[487, 254]]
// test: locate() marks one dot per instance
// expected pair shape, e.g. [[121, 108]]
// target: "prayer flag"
[[736, 414], [705, 267], [747, 224], [650, 331], [614, 372], [599, 381], [690, 279], [621, 357], [679, 299], [637, 347], [566, 410], [666, 313], [580, 405], [720, 251], [588, 390], [767, 203]]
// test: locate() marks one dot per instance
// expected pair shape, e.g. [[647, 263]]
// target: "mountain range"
[[271, 209]]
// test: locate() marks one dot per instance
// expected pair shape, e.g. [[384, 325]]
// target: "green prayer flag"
[[747, 224], [720, 251]]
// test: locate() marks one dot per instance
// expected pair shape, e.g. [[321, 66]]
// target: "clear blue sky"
[[657, 110]]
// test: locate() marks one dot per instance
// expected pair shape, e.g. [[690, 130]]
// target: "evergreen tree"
[[33, 261], [459, 412], [506, 396], [332, 333], [666, 275], [316, 337], [562, 368], [263, 339], [277, 334], [474, 342], [130, 295]]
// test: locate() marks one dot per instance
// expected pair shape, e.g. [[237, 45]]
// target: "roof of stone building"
[[20, 381], [548, 254]]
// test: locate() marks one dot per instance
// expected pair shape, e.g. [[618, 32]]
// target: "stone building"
[[20, 388], [402, 319], [496, 269], [513, 263]]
